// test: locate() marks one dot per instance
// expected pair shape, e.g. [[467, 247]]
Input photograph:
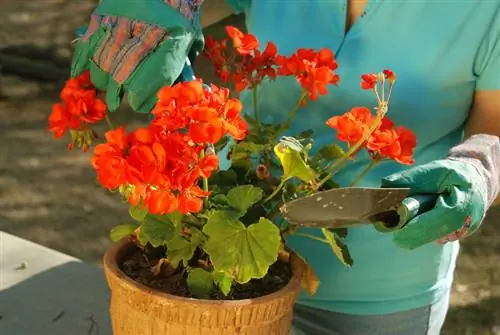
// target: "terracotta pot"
[[139, 310]]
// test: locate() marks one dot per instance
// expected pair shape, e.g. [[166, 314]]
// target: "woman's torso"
[[434, 47]]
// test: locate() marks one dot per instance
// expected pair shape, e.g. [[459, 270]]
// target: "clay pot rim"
[[110, 263]]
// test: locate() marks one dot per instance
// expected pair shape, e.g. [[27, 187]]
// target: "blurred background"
[[49, 195]]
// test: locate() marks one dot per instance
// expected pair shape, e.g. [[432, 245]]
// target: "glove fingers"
[[143, 41], [86, 46], [435, 177], [168, 59], [448, 216], [113, 42]]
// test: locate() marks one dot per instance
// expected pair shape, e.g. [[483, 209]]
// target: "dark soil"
[[138, 265]]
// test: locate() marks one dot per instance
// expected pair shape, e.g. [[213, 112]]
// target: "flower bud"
[[262, 171]]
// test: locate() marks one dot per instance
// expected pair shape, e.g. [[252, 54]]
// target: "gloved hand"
[[467, 182], [137, 47]]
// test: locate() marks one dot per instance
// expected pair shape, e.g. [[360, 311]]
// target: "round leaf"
[[243, 197], [294, 165], [242, 252], [156, 230], [180, 249], [200, 283], [223, 281], [138, 213], [121, 231]]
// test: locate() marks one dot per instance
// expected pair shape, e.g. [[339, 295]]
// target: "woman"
[[447, 58]]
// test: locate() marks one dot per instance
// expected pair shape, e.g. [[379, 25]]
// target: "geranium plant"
[[220, 228]]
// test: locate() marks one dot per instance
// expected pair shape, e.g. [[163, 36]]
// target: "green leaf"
[[240, 158], [121, 231], [223, 215], [249, 147], [293, 163], [138, 212], [221, 144], [156, 230], [241, 252], [331, 152], [175, 217], [180, 249], [193, 220], [242, 152], [340, 232], [338, 247], [200, 283], [265, 136], [243, 197], [223, 281], [223, 178], [219, 200]]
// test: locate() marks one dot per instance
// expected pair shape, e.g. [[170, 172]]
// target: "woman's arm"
[[214, 11], [485, 117]]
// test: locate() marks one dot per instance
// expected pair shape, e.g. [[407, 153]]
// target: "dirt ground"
[[49, 195]]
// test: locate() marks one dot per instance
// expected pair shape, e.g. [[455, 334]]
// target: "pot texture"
[[138, 310]]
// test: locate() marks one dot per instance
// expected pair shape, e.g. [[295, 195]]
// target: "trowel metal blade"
[[344, 207]]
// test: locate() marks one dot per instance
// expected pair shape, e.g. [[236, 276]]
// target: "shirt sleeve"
[[239, 6], [488, 61]]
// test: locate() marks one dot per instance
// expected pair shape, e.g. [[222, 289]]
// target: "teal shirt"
[[442, 52]]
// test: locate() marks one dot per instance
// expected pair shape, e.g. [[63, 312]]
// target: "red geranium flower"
[[353, 125], [368, 81], [79, 108], [243, 43], [395, 144], [314, 70]]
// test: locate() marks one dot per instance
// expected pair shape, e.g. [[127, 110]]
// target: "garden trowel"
[[388, 209]]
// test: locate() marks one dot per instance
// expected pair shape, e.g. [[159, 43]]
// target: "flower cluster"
[[206, 114], [314, 70], [79, 108], [246, 66], [385, 141], [369, 81], [161, 166]]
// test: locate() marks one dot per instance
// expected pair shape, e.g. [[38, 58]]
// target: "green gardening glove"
[[466, 182], [136, 47]]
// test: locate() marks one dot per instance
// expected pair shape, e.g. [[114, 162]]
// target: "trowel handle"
[[415, 205], [410, 208]]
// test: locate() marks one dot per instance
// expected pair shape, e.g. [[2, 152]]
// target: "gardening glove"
[[466, 183], [137, 47]]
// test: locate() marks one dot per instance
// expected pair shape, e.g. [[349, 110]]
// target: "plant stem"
[[312, 237], [382, 83], [276, 190], [255, 109], [108, 121], [292, 114], [204, 180], [363, 173], [230, 60], [390, 91]]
